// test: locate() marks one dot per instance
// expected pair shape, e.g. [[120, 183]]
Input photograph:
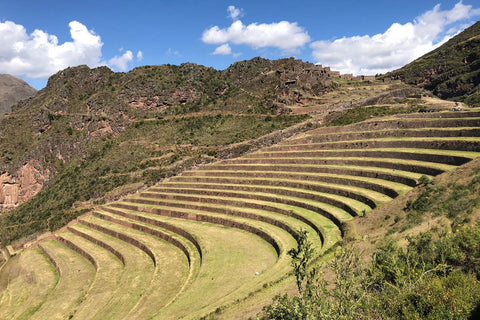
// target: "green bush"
[[435, 277]]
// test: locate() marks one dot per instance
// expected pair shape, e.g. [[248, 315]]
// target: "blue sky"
[[40, 37]]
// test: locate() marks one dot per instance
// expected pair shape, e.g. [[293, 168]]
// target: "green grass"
[[280, 236], [246, 196], [377, 197], [193, 213], [169, 276], [356, 205], [231, 259], [426, 120], [224, 274], [136, 276], [76, 276], [222, 203], [398, 187], [299, 167], [467, 154], [327, 228], [393, 131], [26, 282], [432, 139], [107, 278], [435, 165]]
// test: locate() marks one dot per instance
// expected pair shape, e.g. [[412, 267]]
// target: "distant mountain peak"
[[13, 90]]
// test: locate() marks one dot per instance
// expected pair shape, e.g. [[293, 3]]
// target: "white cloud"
[[121, 63], [40, 55], [224, 49], [139, 56], [397, 46], [172, 52], [234, 13], [284, 35]]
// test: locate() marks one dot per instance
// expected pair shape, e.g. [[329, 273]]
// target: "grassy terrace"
[[253, 209], [401, 123], [370, 197], [26, 283], [212, 239], [400, 176], [391, 189], [259, 192], [107, 281], [445, 114], [179, 238], [284, 242], [229, 271], [417, 132], [76, 277], [450, 157], [216, 238], [449, 143], [259, 228], [161, 283], [413, 166], [293, 198]]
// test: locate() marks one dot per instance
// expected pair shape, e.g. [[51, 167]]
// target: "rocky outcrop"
[[21, 186]]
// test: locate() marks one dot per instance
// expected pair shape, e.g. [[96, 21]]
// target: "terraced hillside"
[[214, 240]]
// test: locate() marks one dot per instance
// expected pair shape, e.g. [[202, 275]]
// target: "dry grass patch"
[[107, 278], [26, 282], [170, 274], [232, 259], [137, 275], [76, 276]]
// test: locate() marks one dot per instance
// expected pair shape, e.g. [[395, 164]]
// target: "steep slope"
[[451, 71], [100, 134], [12, 90]]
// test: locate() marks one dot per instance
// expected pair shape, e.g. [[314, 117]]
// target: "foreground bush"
[[435, 277]]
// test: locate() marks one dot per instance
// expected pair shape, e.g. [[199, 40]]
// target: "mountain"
[[93, 133], [12, 90], [451, 71]]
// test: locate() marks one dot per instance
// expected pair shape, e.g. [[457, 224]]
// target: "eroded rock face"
[[21, 186]]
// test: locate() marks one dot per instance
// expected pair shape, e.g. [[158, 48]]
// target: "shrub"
[[425, 180], [434, 277]]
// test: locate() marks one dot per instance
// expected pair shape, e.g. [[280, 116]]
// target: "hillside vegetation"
[[451, 71]]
